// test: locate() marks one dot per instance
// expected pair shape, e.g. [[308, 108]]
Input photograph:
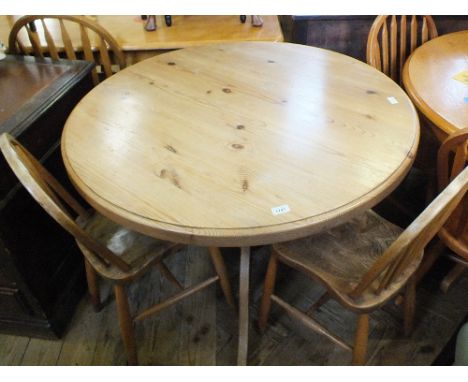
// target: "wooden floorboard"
[[202, 330], [12, 349], [198, 334], [42, 352]]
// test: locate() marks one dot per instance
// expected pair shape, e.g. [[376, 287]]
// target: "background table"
[[240, 144], [428, 78], [185, 31]]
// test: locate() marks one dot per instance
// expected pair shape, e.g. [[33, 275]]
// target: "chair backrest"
[[392, 39], [402, 258], [51, 36], [53, 197], [452, 158]]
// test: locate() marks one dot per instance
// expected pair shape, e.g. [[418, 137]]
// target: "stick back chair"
[[54, 36], [451, 160], [392, 39], [362, 264], [110, 251]]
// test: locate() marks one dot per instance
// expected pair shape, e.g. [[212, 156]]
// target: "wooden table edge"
[[177, 45], [421, 105], [239, 237]]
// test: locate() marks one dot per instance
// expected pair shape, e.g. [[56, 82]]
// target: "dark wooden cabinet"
[[41, 268]]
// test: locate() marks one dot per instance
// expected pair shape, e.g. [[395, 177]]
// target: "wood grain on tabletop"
[[198, 145], [428, 79]]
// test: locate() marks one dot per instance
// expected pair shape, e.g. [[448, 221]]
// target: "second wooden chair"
[[390, 42], [71, 37], [363, 264], [392, 39], [452, 159], [110, 251]]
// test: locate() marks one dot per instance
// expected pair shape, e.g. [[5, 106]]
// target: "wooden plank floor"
[[202, 330]]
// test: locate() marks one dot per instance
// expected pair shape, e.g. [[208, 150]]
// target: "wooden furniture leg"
[[220, 268], [243, 306], [268, 289], [452, 276], [126, 323], [169, 275], [316, 305], [410, 295], [93, 286], [360, 341]]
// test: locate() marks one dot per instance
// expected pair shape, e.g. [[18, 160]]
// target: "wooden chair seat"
[[341, 256], [137, 250], [363, 264], [110, 251]]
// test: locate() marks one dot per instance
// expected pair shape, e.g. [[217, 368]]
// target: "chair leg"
[[220, 269], [317, 304], [126, 323], [164, 270], [268, 288], [93, 286], [360, 341], [409, 306], [452, 276]]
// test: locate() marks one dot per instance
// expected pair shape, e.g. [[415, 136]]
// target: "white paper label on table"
[[392, 100], [280, 209]]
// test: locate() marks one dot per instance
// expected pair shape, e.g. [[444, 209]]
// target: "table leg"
[[243, 306]]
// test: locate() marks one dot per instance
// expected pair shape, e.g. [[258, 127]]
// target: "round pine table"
[[240, 144], [436, 79]]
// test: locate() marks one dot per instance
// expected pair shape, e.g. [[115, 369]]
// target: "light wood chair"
[[363, 264], [50, 36], [390, 42], [451, 160], [392, 39], [110, 251]]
